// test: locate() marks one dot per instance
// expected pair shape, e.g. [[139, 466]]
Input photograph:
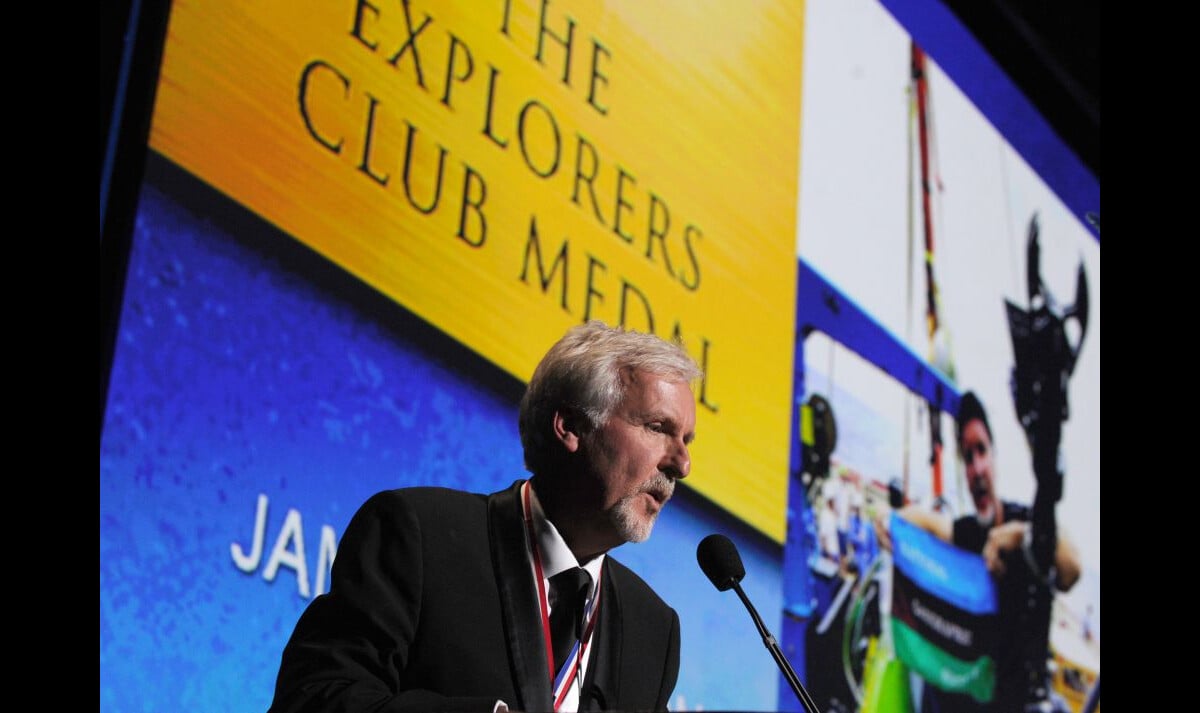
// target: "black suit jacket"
[[432, 608]]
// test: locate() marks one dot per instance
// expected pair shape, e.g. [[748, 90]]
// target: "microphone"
[[719, 559], [721, 563]]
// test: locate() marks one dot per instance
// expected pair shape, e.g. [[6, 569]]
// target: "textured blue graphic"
[[237, 375]]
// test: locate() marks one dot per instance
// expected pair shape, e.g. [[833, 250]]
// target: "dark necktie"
[[570, 588]]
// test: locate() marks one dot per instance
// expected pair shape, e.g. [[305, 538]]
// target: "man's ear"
[[567, 428]]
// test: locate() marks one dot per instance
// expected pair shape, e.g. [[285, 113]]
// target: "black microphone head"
[[719, 559]]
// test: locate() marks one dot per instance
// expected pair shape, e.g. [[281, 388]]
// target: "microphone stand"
[[777, 653]]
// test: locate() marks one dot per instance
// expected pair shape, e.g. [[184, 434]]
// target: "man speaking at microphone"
[[449, 601]]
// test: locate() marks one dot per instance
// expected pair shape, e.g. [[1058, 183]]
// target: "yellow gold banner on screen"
[[508, 168]]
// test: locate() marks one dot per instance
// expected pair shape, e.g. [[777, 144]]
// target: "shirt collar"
[[556, 556]]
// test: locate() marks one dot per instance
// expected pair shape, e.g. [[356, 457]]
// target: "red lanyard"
[[563, 680]]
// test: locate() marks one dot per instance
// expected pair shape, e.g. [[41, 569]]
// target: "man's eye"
[[655, 426]]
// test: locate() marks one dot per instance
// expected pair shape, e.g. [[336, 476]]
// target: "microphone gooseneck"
[[719, 559]]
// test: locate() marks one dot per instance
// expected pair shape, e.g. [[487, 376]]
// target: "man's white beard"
[[629, 516], [630, 520]]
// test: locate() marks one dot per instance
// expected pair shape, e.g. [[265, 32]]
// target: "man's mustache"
[[660, 486]]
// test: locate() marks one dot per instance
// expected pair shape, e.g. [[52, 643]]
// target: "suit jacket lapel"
[[601, 689], [518, 600]]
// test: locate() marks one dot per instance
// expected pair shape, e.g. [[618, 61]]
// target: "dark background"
[[1051, 50]]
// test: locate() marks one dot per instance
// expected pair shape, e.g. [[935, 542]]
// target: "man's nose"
[[973, 457], [679, 461]]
